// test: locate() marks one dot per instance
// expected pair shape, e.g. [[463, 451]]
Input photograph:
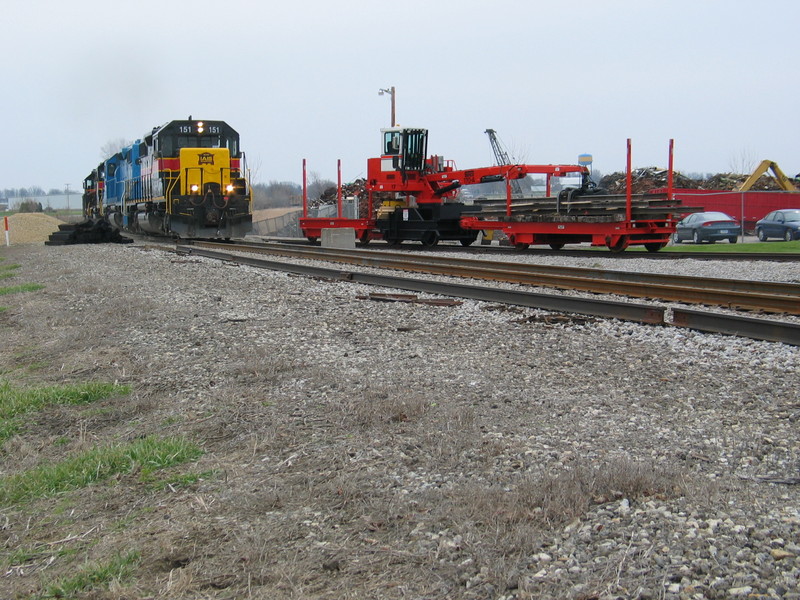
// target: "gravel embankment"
[[391, 450]]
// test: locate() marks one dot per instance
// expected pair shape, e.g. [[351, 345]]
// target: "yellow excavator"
[[785, 182]]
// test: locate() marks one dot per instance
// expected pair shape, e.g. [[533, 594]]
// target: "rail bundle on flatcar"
[[186, 178]]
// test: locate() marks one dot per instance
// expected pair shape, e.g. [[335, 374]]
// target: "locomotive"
[[185, 179]]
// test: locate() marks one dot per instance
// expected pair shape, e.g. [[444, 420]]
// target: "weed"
[[17, 401], [185, 480], [25, 287], [551, 500], [7, 271], [98, 464], [94, 575]]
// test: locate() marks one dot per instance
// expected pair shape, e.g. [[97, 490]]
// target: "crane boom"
[[500, 155], [783, 181], [502, 158]]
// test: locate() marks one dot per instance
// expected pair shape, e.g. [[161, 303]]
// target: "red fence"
[[747, 207]]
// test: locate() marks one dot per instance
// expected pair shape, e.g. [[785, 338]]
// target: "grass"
[[18, 401], [184, 480], [723, 247], [98, 464], [7, 271], [94, 575], [25, 287]]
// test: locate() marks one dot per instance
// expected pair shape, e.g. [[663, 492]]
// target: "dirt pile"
[[29, 228]]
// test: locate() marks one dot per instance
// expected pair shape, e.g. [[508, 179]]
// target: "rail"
[[761, 329], [740, 294]]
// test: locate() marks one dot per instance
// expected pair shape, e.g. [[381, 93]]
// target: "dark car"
[[784, 223], [707, 227]]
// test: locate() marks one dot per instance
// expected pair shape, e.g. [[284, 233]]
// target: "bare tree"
[[317, 185], [744, 162], [111, 147]]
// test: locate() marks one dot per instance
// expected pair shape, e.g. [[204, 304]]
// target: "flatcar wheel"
[[363, 239], [521, 246], [620, 246], [556, 246], [655, 246], [469, 241], [312, 239], [430, 238]]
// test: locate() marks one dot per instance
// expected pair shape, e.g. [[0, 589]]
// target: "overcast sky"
[[300, 79]]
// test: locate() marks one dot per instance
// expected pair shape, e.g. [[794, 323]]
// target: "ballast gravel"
[[400, 450]]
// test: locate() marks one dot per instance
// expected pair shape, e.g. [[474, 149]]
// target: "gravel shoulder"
[[360, 449]]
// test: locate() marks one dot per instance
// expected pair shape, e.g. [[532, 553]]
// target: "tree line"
[[34, 190], [279, 194]]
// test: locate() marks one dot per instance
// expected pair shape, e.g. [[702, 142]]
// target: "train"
[[186, 179]]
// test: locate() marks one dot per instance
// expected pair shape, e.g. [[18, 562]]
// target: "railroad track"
[[737, 294], [630, 253], [776, 298]]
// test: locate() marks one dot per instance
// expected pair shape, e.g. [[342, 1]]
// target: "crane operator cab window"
[[391, 143]]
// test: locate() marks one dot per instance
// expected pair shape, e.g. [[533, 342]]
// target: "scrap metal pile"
[[642, 181], [650, 178], [356, 189]]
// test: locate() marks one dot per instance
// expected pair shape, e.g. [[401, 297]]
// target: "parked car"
[[707, 227], [783, 223]]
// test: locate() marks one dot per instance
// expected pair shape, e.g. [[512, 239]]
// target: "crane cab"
[[403, 165], [404, 149]]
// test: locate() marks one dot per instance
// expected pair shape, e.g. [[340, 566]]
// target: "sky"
[[300, 79]]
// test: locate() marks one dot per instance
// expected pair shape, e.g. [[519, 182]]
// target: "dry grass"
[[318, 482]]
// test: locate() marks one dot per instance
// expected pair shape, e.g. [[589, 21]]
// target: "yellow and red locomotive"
[[186, 178]]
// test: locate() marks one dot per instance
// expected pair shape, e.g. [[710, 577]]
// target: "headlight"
[[229, 188], [195, 187], [200, 127]]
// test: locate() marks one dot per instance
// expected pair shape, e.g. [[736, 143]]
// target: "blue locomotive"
[[185, 179]]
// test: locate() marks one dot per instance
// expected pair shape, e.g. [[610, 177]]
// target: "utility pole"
[[391, 92], [66, 185]]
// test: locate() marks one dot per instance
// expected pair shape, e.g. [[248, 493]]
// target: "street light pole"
[[391, 92]]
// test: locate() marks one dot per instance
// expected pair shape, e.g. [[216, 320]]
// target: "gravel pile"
[[392, 450], [25, 228]]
